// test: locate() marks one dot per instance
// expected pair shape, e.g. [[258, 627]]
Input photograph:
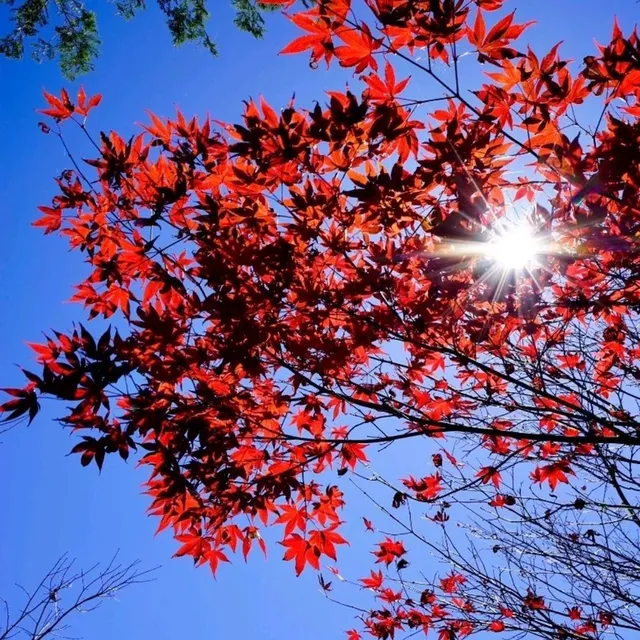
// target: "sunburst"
[[514, 247]]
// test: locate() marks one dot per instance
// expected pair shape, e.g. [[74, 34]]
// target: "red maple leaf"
[[374, 581], [389, 550]]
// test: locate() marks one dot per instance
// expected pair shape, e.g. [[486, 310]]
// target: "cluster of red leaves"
[[264, 270], [63, 107]]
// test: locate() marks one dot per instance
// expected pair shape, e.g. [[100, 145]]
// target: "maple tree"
[[316, 291]]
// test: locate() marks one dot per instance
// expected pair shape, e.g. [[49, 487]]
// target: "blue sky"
[[50, 504]]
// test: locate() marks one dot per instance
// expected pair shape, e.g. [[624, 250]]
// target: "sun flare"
[[514, 248]]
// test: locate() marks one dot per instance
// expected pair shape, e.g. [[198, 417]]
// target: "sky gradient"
[[51, 504]]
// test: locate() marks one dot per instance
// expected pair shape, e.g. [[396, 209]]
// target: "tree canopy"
[[67, 30], [414, 291]]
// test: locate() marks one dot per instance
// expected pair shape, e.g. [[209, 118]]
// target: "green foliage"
[[248, 16], [67, 30], [78, 43], [186, 20], [128, 8]]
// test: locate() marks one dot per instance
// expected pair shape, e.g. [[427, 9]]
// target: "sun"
[[514, 248]]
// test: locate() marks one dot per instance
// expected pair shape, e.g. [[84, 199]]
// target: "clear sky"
[[49, 503]]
